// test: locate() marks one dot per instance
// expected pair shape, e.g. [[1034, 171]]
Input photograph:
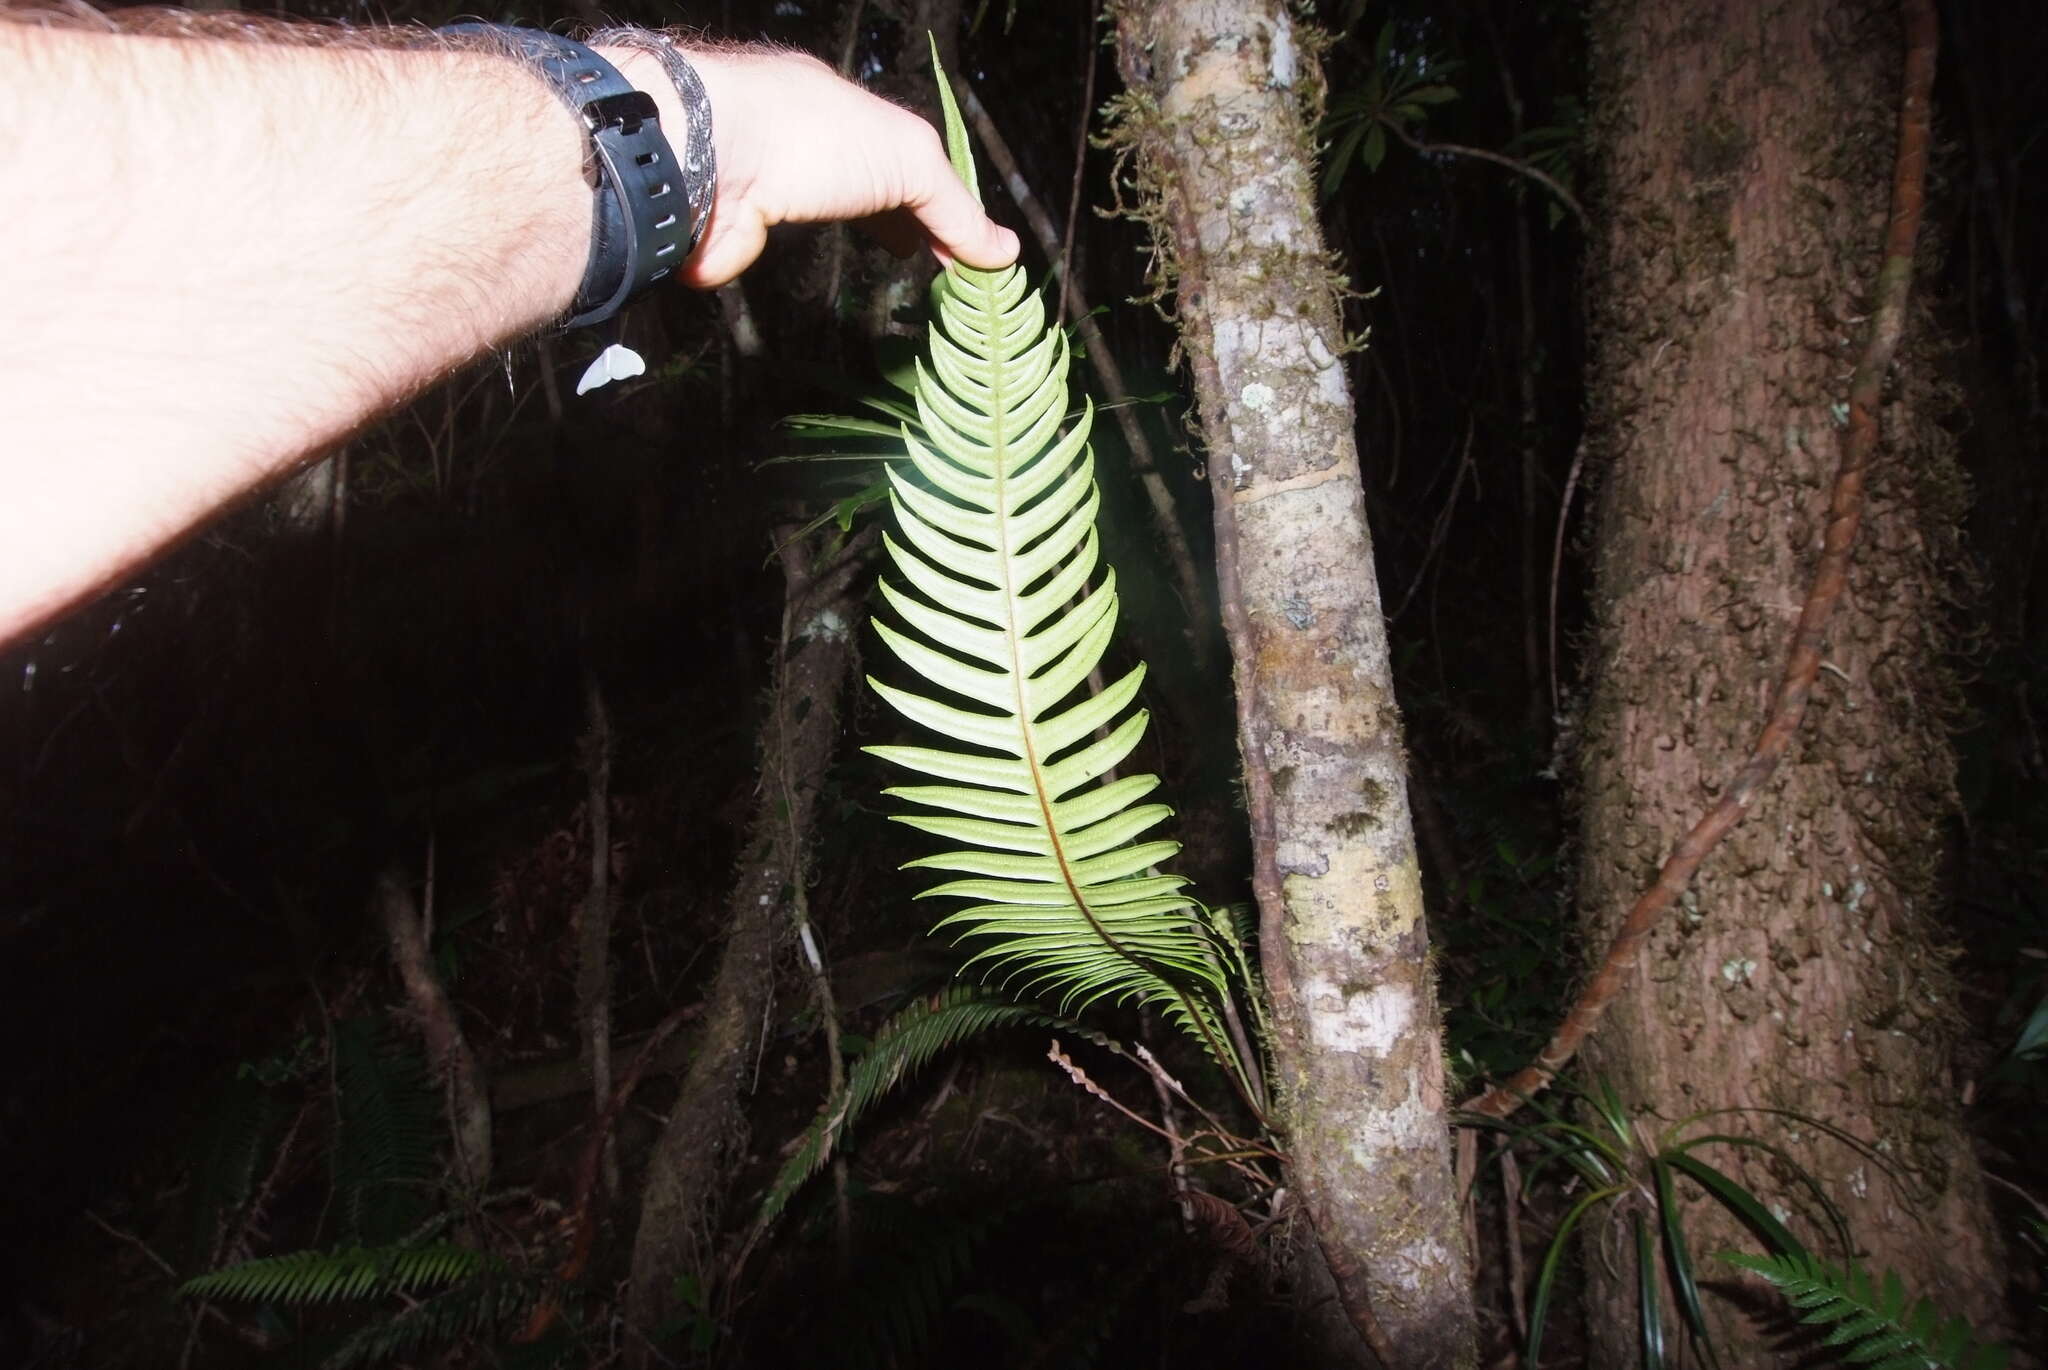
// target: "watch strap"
[[641, 228]]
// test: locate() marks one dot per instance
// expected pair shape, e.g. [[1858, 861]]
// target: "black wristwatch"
[[641, 231]]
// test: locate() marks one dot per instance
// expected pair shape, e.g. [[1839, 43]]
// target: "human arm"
[[220, 257]]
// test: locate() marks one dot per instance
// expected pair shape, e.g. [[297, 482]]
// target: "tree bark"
[[464, 1095], [1215, 116], [1746, 151], [703, 1137]]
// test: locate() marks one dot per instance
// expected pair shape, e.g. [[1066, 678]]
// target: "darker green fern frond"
[[492, 1298], [303, 1277], [1869, 1319], [911, 1264], [387, 1125], [234, 1139], [902, 1045]]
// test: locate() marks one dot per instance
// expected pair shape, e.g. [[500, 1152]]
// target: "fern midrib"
[[999, 410]]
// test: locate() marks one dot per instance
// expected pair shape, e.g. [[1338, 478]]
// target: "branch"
[[594, 932], [1830, 577], [469, 1107], [1165, 512], [1514, 164]]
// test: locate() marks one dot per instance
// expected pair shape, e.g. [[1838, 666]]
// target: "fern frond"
[[387, 1123], [493, 1298], [997, 555], [234, 1140], [909, 1266], [1869, 1319], [900, 1047], [356, 1272]]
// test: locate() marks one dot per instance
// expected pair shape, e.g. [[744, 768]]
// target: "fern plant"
[[908, 1040], [387, 1123], [1868, 1319], [998, 543], [1006, 614], [300, 1277], [1633, 1176]]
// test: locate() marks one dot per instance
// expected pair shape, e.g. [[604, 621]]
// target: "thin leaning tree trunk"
[[1214, 117], [703, 1137]]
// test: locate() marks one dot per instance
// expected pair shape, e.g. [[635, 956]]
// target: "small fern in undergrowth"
[[1869, 1319], [233, 1142], [356, 1272], [1622, 1173], [386, 1128], [901, 1046], [490, 1299], [447, 1292]]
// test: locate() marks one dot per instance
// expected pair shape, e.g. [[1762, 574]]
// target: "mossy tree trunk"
[[702, 1142], [1746, 151], [1215, 115]]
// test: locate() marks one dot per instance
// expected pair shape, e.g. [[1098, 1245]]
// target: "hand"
[[797, 144]]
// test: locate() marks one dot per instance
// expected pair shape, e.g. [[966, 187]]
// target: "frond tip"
[[1007, 619]]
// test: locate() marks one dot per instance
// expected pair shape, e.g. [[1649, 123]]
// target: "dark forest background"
[[406, 663]]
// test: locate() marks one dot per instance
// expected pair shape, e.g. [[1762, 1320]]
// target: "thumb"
[[960, 230]]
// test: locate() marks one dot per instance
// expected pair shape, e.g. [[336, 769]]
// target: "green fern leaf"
[[387, 1123], [301, 1277], [996, 516], [234, 1139], [901, 1046], [492, 1298], [1869, 1317]]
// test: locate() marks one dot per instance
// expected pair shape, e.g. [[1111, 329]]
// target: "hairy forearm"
[[218, 257], [238, 252]]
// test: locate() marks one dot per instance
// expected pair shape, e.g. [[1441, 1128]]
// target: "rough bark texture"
[[704, 1134], [1215, 112], [1746, 154]]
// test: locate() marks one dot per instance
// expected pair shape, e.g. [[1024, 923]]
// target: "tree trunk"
[[1747, 150], [702, 1139], [1214, 113]]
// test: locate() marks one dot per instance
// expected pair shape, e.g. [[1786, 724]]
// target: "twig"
[[594, 932], [1511, 1217], [1080, 1077], [580, 1224], [131, 1239], [1830, 577], [1514, 164], [797, 556], [1564, 514], [1165, 511], [1442, 527], [1066, 257]]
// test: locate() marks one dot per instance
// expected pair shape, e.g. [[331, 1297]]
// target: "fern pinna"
[[996, 514]]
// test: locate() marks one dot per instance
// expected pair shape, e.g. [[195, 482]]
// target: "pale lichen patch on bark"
[[1373, 1019]]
